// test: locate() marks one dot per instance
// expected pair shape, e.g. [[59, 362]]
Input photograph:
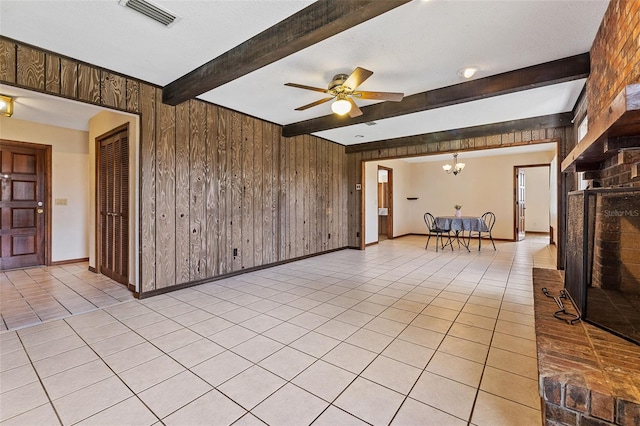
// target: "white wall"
[[401, 190], [536, 198], [70, 180], [486, 184], [100, 124]]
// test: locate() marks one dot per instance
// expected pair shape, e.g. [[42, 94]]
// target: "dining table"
[[460, 224]]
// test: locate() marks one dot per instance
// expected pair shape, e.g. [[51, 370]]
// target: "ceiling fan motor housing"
[[338, 81]]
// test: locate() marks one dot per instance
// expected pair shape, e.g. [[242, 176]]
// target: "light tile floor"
[[35, 295], [395, 334]]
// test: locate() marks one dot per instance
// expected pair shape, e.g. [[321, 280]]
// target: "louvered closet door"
[[113, 187]]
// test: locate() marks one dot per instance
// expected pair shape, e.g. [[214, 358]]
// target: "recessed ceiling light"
[[468, 72]]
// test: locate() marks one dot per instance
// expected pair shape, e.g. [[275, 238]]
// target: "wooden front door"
[[520, 206], [23, 177], [113, 205]]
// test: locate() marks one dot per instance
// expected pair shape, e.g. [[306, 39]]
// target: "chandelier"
[[455, 168]]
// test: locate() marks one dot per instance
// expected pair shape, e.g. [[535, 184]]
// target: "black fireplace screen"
[[602, 271]]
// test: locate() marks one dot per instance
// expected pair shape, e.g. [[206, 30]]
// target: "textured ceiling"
[[416, 47]]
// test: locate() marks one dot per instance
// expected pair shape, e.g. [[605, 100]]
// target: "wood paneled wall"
[[219, 191]]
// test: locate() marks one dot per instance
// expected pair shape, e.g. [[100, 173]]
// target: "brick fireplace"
[[590, 375], [603, 258]]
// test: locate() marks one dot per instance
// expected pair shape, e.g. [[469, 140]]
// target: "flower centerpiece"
[[458, 212]]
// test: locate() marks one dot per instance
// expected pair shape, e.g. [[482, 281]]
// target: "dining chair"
[[489, 219], [437, 231]]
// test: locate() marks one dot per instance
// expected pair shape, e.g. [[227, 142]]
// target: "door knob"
[[40, 211]]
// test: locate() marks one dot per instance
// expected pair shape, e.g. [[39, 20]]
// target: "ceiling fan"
[[343, 89]]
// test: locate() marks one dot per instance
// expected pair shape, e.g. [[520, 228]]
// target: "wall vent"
[[153, 11]]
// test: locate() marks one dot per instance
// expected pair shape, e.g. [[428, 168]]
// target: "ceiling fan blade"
[[357, 77], [312, 104], [379, 96], [355, 110], [302, 86]]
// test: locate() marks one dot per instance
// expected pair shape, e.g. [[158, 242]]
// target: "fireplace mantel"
[[618, 128]]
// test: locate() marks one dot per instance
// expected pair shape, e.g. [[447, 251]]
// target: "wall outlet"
[[235, 252], [358, 187]]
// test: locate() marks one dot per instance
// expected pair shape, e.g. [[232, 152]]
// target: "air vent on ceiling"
[[370, 123], [153, 11]]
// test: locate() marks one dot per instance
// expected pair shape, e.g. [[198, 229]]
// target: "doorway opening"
[[385, 203], [532, 198]]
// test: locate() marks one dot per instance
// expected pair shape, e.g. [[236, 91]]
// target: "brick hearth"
[[587, 375]]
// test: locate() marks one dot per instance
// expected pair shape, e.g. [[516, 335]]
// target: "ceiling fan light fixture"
[[6, 105], [341, 90], [341, 106], [468, 72]]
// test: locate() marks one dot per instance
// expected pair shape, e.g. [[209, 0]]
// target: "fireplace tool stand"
[[562, 314]]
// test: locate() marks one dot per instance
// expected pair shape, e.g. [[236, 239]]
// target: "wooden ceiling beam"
[[542, 122], [548, 73], [316, 22]]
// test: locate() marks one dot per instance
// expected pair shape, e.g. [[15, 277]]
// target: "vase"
[[458, 213]]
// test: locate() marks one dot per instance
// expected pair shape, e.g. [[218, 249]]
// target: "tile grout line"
[[53, 407]]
